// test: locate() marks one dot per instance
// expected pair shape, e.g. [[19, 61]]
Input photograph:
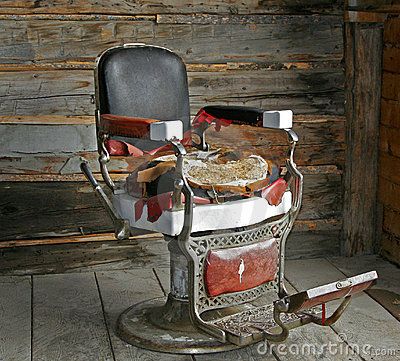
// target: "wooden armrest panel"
[[123, 126]]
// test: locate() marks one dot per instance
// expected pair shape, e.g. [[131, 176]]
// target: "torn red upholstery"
[[120, 148], [274, 192], [140, 128], [203, 117], [117, 147]]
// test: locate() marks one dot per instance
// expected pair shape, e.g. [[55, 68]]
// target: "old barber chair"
[[226, 236]]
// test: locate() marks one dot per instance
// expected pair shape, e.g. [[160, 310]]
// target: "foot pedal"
[[247, 327], [273, 321]]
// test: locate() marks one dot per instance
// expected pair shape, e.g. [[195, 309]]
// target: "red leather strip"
[[274, 192], [139, 209], [241, 268], [156, 205], [160, 203]]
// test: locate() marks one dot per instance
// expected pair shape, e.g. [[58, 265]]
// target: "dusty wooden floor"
[[72, 316]]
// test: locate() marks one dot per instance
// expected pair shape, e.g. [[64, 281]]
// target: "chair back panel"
[[143, 81]]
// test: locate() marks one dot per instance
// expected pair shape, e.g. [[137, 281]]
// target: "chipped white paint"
[[181, 338], [241, 270]]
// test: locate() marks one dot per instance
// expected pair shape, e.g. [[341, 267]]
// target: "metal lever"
[[200, 137], [121, 226], [280, 306], [292, 135], [180, 152]]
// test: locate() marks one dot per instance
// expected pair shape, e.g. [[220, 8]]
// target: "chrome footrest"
[[254, 324]]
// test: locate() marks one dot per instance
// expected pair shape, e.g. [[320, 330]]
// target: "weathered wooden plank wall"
[[169, 6], [271, 53], [389, 170], [363, 58]]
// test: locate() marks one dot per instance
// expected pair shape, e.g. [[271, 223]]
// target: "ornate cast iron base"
[[164, 326]]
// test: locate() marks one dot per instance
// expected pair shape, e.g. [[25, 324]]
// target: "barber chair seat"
[[226, 239]]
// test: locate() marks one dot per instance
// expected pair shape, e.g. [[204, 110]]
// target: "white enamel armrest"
[[278, 119], [172, 129]]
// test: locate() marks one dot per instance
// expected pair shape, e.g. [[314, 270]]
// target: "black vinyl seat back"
[[143, 81]]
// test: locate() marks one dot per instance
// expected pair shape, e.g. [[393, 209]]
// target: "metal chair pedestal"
[[164, 324]]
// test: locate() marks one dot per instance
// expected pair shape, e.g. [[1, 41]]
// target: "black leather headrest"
[[143, 81]]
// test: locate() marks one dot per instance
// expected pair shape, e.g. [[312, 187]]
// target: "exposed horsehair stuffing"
[[209, 172]]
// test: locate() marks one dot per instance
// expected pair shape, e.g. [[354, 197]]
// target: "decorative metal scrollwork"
[[202, 244]]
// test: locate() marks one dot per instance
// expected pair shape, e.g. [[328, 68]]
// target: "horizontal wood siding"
[[272, 54], [70, 92], [389, 162], [125, 7], [278, 38]]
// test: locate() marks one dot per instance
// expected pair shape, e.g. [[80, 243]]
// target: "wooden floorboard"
[[68, 322], [365, 326], [120, 290], [74, 316], [15, 318]]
